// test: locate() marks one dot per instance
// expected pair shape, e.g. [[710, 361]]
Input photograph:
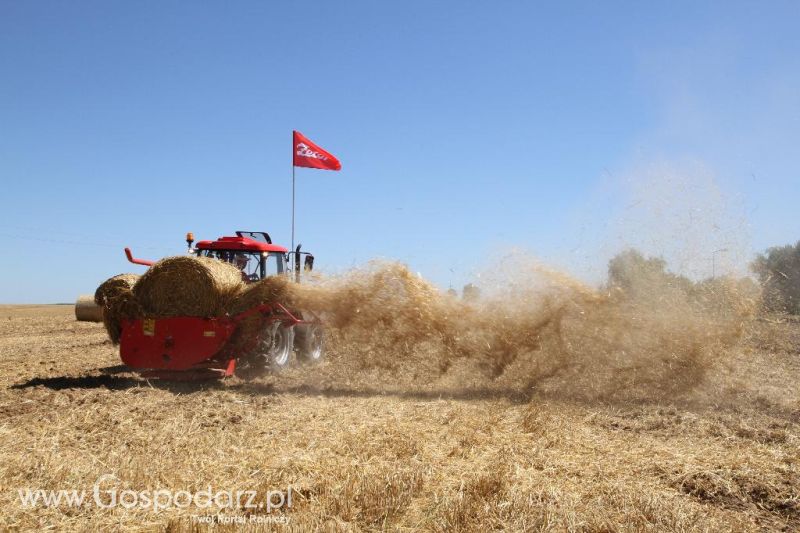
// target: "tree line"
[[777, 270]]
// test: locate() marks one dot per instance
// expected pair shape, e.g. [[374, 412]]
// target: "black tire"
[[310, 343], [273, 352], [276, 345]]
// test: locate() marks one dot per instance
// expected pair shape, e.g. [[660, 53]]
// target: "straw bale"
[[188, 286], [123, 305], [87, 311], [114, 286]]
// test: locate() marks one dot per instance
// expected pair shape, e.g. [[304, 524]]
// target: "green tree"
[[638, 275], [778, 270]]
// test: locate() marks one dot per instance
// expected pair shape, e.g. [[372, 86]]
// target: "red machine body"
[[190, 347], [177, 343]]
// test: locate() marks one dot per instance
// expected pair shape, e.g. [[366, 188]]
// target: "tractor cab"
[[252, 252]]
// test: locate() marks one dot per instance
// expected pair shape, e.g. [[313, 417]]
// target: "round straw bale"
[[113, 286], [88, 311], [122, 305], [188, 286], [273, 289]]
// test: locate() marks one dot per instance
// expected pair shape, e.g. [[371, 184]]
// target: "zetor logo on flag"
[[307, 154]]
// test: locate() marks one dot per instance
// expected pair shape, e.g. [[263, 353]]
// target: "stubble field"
[[384, 448]]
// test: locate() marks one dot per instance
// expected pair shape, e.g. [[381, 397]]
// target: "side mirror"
[[308, 264]]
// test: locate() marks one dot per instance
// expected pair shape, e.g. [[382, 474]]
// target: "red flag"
[[308, 154]]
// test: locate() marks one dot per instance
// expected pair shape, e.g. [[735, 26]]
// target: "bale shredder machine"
[[189, 347]]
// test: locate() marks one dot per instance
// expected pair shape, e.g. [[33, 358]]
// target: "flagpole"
[[292, 249]]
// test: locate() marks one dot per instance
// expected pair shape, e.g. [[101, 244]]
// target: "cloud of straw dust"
[[532, 328], [680, 210]]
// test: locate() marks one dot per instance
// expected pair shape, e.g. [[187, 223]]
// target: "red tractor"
[[198, 347]]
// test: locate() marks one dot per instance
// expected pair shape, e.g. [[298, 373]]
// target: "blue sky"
[[566, 130]]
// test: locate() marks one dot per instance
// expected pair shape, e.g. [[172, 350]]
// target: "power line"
[[79, 243]]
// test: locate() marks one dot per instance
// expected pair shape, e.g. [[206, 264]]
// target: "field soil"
[[382, 449]]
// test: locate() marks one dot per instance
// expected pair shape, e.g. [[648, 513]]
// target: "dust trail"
[[534, 328]]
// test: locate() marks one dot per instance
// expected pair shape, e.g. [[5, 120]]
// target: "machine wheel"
[[310, 342], [275, 346], [273, 351]]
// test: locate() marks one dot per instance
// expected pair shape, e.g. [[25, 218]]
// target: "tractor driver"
[[241, 260]]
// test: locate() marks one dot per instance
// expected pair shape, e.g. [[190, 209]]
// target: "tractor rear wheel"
[[310, 342], [275, 346], [273, 351]]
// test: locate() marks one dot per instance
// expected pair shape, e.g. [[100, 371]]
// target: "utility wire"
[[80, 243]]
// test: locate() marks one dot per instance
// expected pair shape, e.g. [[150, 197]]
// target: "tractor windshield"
[[274, 264], [254, 265]]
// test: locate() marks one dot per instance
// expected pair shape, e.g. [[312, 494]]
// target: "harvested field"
[[365, 450]]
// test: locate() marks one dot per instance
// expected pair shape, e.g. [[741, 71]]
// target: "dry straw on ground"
[[402, 447]]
